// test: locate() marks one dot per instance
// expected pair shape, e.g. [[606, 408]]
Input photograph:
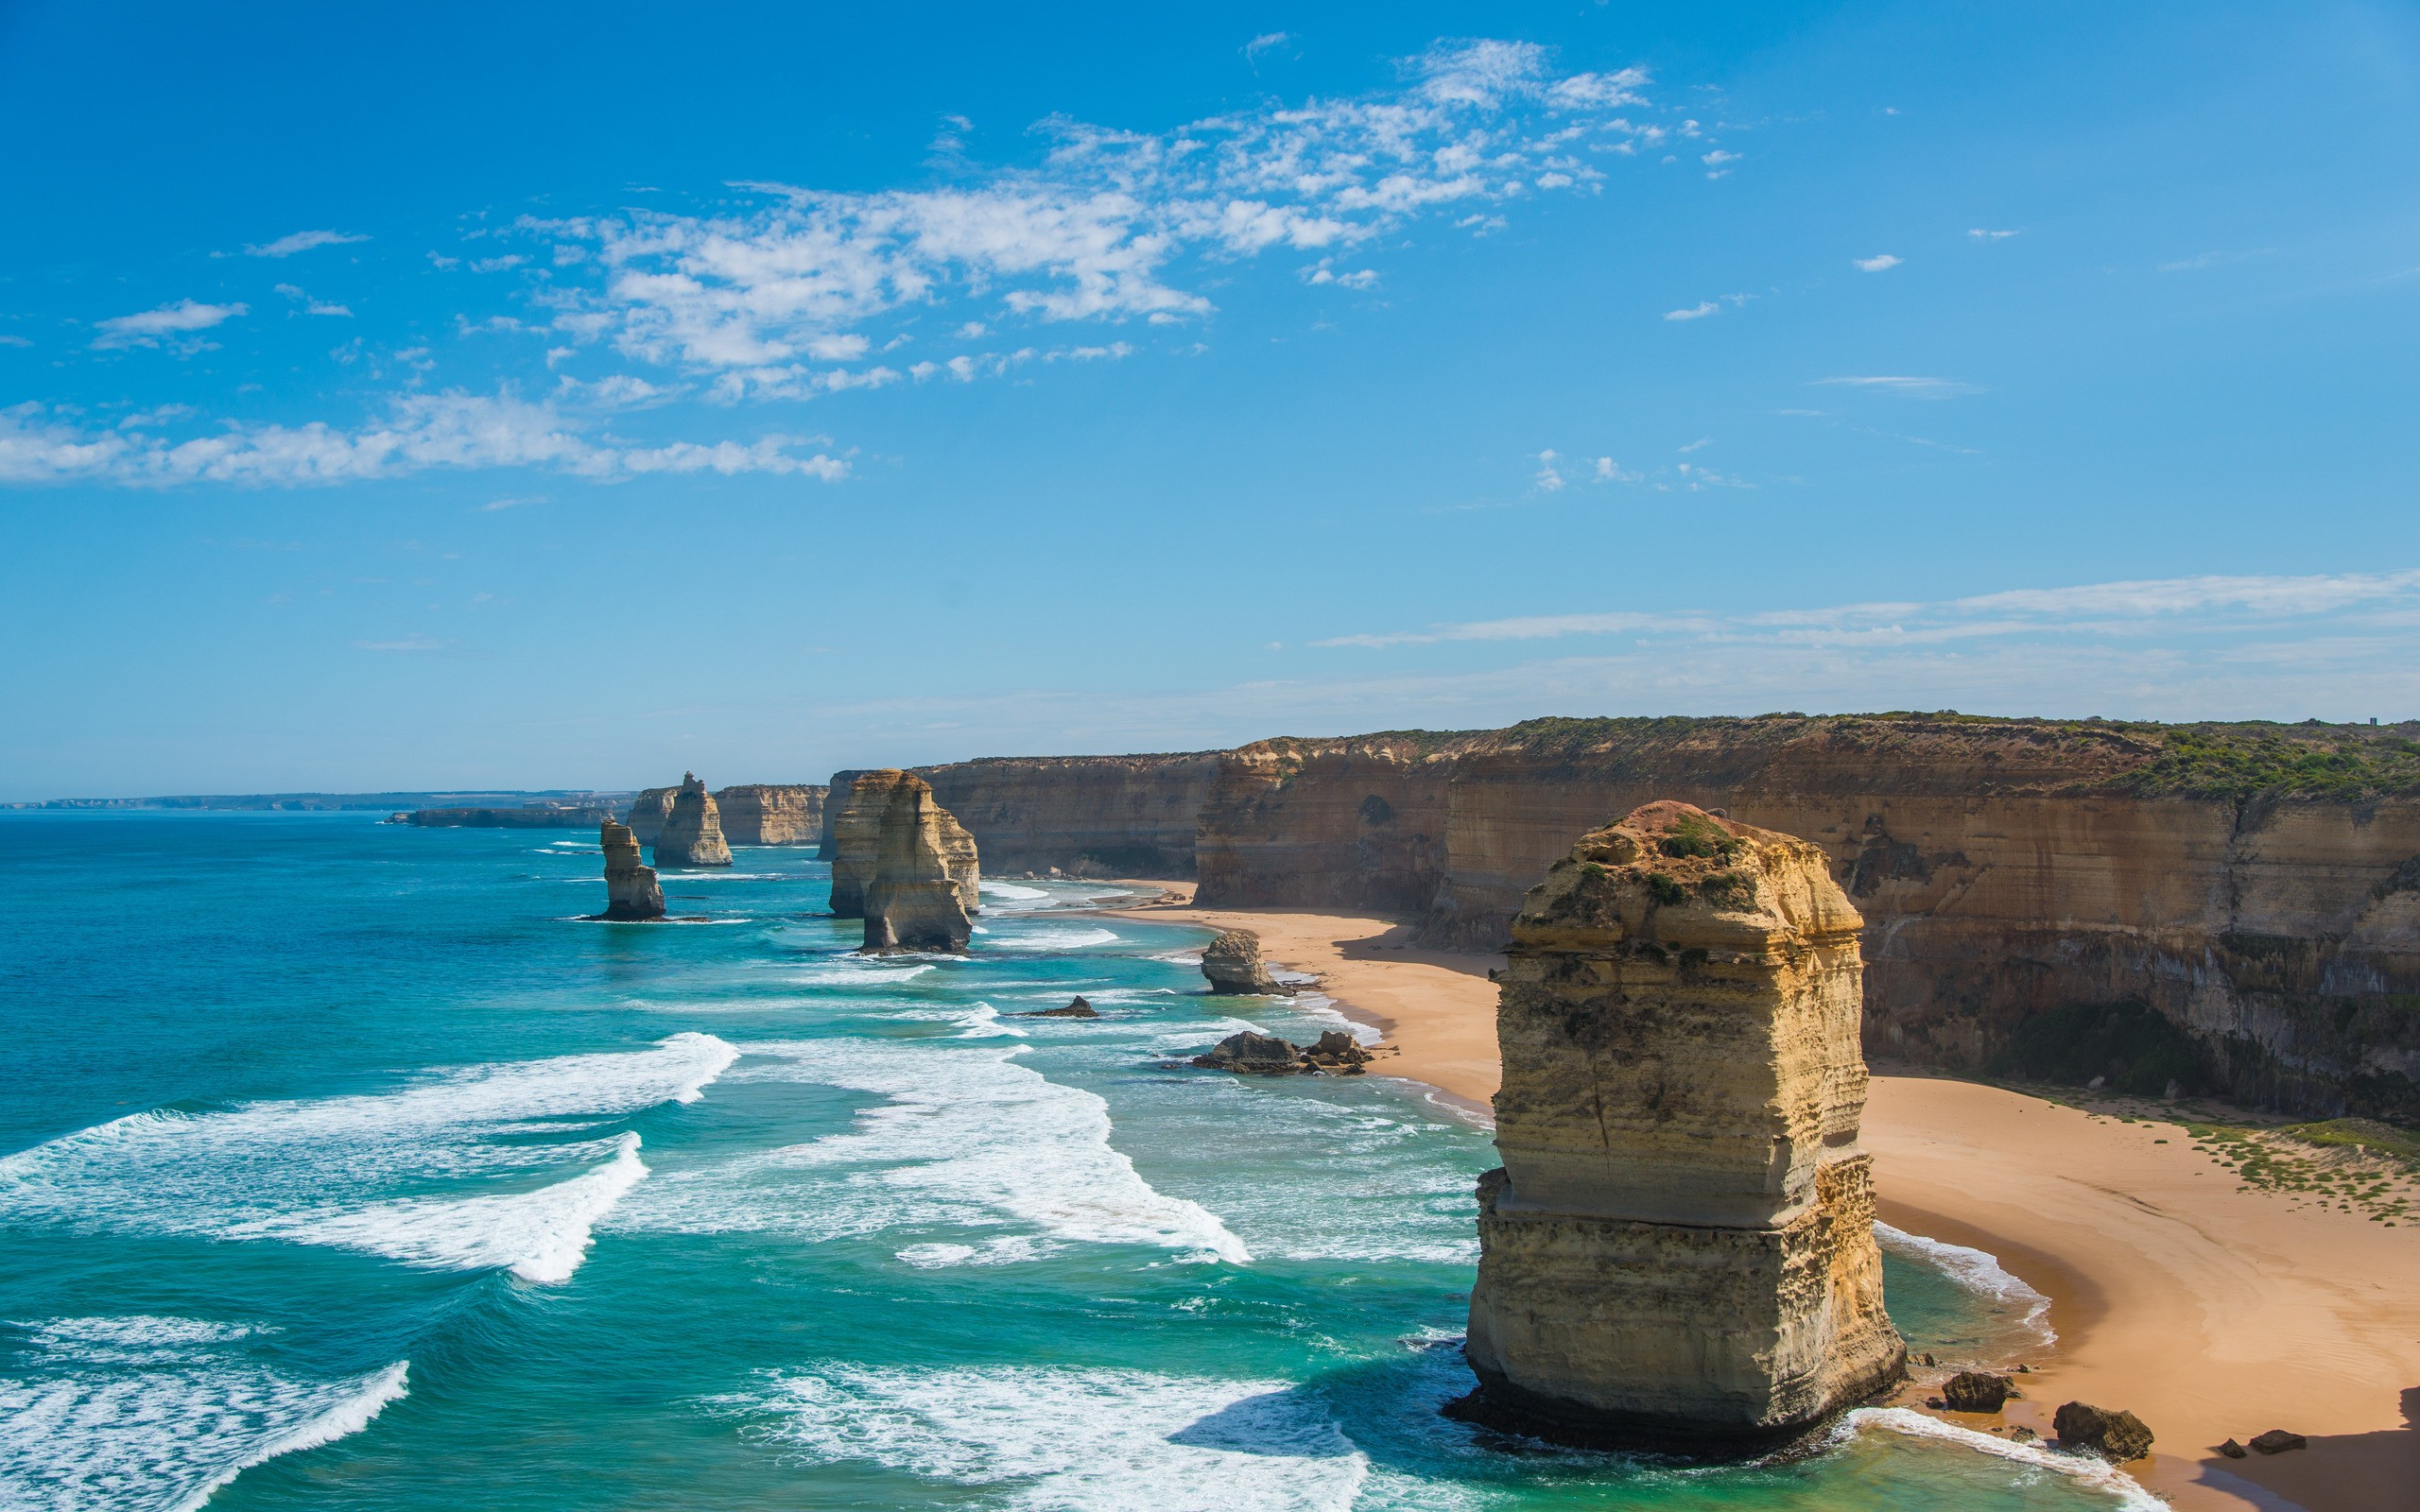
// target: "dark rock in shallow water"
[[2121, 1435], [1976, 1391], [1254, 1054], [1078, 1009], [1233, 964], [1338, 1054], [2277, 1441]]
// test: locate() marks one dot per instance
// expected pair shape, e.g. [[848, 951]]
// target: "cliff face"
[[647, 812], [692, 833], [1679, 1247], [771, 813], [915, 898], [1090, 816], [535, 817], [632, 893], [858, 808], [2258, 888]]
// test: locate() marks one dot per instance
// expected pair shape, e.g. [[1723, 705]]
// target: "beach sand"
[[2208, 1309]]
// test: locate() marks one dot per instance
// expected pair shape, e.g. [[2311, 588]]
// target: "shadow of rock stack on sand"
[[905, 865], [862, 808], [632, 893], [1678, 1251], [692, 833]]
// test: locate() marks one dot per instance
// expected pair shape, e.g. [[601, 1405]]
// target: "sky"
[[550, 396]]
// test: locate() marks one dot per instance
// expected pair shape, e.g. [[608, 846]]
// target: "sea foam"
[[1075, 1440], [2088, 1470], [111, 1413], [1976, 1270]]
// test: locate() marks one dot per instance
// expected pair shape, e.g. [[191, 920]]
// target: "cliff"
[[1678, 1249], [914, 897], [2258, 886], [534, 817], [692, 833], [771, 813], [1088, 815], [857, 809], [632, 893], [647, 812]]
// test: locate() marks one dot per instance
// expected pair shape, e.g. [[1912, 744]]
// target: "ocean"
[[346, 1167]]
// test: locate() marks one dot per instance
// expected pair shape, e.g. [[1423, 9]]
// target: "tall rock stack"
[[1678, 1249], [856, 829], [631, 894], [692, 833], [912, 901]]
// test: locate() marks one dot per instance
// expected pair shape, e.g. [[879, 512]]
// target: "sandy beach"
[[2209, 1308]]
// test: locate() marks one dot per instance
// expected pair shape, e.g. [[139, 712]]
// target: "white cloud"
[[1609, 471], [2097, 609], [1980, 234], [1880, 262], [1698, 445], [1266, 41], [312, 306], [1695, 312], [1913, 387], [302, 241], [1108, 227], [421, 431], [14, 341], [164, 326], [1550, 476]]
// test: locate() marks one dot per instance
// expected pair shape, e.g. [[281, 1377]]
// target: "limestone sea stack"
[[692, 833], [857, 839], [1232, 963], [912, 901], [631, 894], [1678, 1251]]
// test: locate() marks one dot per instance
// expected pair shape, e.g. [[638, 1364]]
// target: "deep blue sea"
[[345, 1167]]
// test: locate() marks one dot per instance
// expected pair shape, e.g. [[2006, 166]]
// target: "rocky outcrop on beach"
[[1251, 1054], [1232, 963], [2275, 1441], [631, 892], [864, 802], [692, 833], [1976, 1391], [772, 813], [2118, 1435], [919, 876], [1078, 1009], [1679, 1247], [648, 812]]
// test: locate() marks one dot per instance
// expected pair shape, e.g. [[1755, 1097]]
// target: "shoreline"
[[2209, 1308]]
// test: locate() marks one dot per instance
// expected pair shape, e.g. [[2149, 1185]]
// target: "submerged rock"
[[1976, 1391], [1251, 1054], [912, 901], [2277, 1441], [2120, 1436], [1678, 1249], [632, 893], [855, 840], [692, 833], [1078, 1009], [1232, 962]]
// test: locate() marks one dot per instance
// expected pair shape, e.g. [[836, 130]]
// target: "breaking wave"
[[1977, 1271]]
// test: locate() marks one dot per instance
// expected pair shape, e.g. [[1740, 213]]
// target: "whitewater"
[[342, 1166]]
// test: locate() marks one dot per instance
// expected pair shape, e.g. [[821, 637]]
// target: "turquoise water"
[[349, 1169]]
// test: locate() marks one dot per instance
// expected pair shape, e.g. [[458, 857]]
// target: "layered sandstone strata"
[[913, 899], [692, 833], [1088, 815], [648, 812], [771, 813], [631, 892], [862, 802], [1679, 1247], [1232, 963]]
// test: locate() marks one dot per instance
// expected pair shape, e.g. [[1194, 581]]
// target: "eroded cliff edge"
[[1678, 1249]]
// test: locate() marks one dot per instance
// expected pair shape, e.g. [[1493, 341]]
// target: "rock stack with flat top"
[[631, 894], [692, 833], [1678, 1251], [1232, 963], [914, 900], [857, 841]]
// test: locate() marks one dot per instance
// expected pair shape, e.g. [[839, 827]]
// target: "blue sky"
[[415, 396]]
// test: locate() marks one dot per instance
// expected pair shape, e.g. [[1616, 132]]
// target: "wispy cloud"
[[1267, 42], [1982, 234], [2108, 609], [2194, 265], [170, 325], [1878, 263], [421, 431], [1111, 227], [310, 306], [302, 241], [1911, 386], [1695, 312]]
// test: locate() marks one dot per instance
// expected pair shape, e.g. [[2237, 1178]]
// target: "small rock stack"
[[692, 833], [631, 894], [1233, 964]]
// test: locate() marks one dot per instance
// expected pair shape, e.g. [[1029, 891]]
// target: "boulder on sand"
[[2120, 1436], [1232, 962], [1976, 1391], [2277, 1441]]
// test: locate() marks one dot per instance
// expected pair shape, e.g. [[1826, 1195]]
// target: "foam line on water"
[[1011, 891], [1077, 1440], [1977, 1270], [966, 1137], [1059, 938], [110, 1413], [2088, 1470]]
